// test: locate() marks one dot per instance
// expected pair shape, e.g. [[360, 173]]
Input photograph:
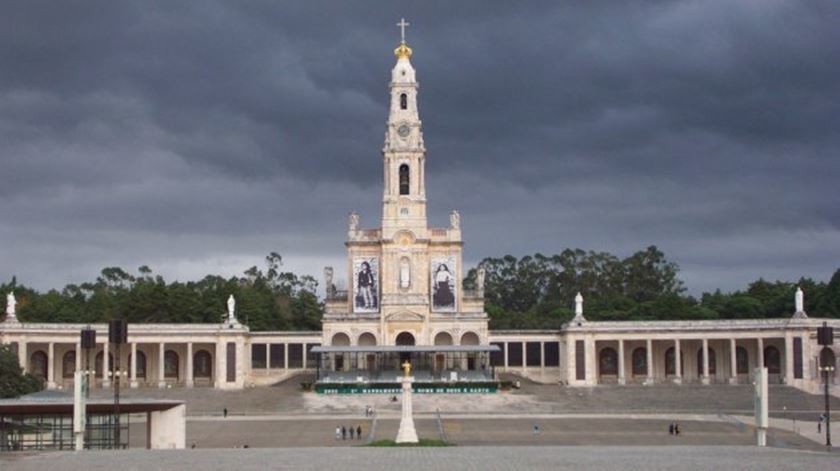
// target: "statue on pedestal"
[[353, 222], [579, 308], [479, 280], [11, 303], [455, 220], [407, 432], [329, 288], [231, 314], [799, 300]]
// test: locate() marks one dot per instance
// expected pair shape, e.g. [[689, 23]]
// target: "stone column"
[[106, 364], [760, 354], [705, 378], [788, 358], [267, 356], [133, 382], [51, 366], [542, 358], [304, 356], [22, 357], [507, 347], [589, 352], [78, 356], [221, 372], [286, 356], [524, 357], [649, 350], [733, 362], [677, 362], [161, 369], [190, 380], [621, 377]]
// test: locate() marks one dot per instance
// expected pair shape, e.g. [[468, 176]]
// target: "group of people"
[[674, 428], [343, 432]]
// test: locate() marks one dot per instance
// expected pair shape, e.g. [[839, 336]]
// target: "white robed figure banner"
[[444, 284]]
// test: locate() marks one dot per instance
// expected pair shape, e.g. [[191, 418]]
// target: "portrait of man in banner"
[[365, 284]]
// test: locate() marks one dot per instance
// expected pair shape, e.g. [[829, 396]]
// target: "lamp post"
[[825, 337], [827, 371]]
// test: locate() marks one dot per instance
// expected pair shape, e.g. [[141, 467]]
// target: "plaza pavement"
[[456, 458]]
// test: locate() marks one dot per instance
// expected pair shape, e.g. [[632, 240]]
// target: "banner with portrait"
[[365, 284], [444, 284]]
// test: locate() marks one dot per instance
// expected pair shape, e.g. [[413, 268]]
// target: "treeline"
[[537, 292], [265, 300]]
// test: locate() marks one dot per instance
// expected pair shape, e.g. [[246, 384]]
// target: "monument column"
[[133, 383], [161, 368], [733, 361], [621, 377], [507, 346], [51, 366], [286, 356], [788, 358], [305, 355], [190, 380], [677, 362], [705, 379], [649, 351], [106, 364]]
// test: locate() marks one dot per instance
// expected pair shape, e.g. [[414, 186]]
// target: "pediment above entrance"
[[404, 316]]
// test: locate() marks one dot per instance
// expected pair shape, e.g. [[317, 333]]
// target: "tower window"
[[403, 179], [403, 101]]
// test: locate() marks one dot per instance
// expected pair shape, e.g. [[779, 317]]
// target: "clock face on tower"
[[403, 130]]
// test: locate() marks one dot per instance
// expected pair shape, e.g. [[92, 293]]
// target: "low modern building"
[[405, 301]]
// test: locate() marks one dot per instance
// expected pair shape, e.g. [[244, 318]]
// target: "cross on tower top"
[[402, 24]]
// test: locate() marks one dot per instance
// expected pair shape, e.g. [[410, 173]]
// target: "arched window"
[[772, 360], [403, 101], [141, 364], [68, 364], [340, 339], [712, 363], [170, 364], [742, 361], [367, 339], [403, 179], [608, 362], [443, 338], [202, 364], [38, 365], [469, 338], [640, 366], [98, 363]]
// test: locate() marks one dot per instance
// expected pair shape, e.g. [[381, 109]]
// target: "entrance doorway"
[[440, 362]]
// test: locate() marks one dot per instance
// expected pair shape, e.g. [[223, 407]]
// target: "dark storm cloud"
[[197, 137]]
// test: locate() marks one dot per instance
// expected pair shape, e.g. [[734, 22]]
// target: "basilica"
[[405, 302]]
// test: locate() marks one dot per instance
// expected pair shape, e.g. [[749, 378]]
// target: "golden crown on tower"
[[403, 51]]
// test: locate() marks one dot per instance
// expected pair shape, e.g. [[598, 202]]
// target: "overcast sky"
[[197, 137]]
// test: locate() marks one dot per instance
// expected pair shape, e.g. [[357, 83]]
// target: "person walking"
[[337, 432], [343, 433], [224, 412], [671, 428], [352, 433], [359, 432]]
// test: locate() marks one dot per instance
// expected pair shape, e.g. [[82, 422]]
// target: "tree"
[[13, 381]]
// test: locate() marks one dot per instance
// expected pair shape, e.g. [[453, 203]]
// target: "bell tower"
[[404, 155]]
